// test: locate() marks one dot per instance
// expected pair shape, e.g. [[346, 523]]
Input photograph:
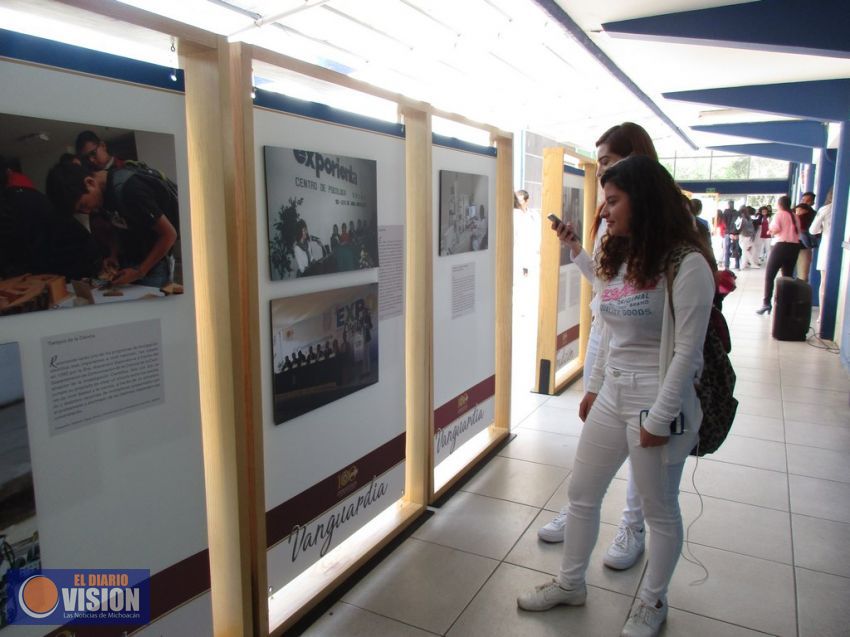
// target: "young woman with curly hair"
[[642, 383]]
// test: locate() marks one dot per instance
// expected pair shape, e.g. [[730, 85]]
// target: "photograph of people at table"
[[84, 218]]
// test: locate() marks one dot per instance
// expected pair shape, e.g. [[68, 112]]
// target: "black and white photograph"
[[90, 215], [572, 211], [464, 212], [19, 547], [324, 347], [323, 212]]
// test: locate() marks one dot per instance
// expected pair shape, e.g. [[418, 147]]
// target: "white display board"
[[464, 313], [569, 277], [332, 469], [127, 490]]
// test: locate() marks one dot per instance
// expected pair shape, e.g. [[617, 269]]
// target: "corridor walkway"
[[774, 534]]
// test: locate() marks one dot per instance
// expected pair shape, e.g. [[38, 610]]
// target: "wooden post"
[[550, 255], [590, 182], [504, 279], [223, 219], [419, 306]]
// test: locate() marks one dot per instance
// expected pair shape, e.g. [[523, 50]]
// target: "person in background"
[[702, 225], [746, 236], [642, 381], [93, 153], [761, 240], [805, 216], [783, 255], [808, 198], [731, 247], [822, 225], [618, 142]]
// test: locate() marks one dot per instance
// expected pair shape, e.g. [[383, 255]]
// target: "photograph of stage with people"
[[463, 212], [323, 212], [89, 215], [324, 346]]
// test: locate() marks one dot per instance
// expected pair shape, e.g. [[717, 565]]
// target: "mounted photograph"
[[19, 546], [322, 212], [90, 215], [464, 212], [324, 347]]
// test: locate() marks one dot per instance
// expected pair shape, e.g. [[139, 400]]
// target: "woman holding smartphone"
[[616, 143], [647, 362]]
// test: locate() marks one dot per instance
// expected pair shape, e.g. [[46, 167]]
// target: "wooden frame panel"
[[222, 199]]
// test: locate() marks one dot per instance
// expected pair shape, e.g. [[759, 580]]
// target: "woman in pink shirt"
[[784, 227]]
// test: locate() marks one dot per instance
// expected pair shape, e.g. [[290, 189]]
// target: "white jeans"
[[633, 513], [610, 435]]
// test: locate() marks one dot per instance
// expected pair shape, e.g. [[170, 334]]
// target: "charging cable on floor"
[[818, 343], [686, 547]]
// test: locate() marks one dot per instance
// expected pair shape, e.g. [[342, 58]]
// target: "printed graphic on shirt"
[[623, 299]]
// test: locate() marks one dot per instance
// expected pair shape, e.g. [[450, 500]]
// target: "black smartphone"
[[677, 427]]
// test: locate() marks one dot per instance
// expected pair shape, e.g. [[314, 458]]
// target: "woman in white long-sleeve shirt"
[[613, 145], [643, 380], [821, 225]]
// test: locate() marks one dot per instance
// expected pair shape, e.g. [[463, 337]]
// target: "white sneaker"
[[626, 548], [551, 594], [554, 531], [645, 620]]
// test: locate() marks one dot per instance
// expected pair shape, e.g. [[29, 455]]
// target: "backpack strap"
[[674, 262]]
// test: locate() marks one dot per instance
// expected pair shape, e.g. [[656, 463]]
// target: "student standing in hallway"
[[613, 145], [643, 381]]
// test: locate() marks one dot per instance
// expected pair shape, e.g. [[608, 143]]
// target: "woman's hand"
[[585, 405], [567, 234], [651, 440]]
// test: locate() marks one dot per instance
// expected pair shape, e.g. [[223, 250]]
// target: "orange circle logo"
[[38, 596]]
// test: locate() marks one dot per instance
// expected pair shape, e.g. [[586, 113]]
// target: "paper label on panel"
[[463, 289], [391, 271], [101, 373]]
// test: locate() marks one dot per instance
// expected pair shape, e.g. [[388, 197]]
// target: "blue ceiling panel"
[[816, 27], [799, 133], [785, 152], [823, 100]]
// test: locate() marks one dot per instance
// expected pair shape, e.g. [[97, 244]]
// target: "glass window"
[[763, 168], [688, 168], [726, 167]]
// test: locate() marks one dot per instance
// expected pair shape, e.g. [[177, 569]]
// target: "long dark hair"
[[660, 221], [623, 140]]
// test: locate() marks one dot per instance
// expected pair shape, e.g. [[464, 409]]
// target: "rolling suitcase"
[[792, 311]]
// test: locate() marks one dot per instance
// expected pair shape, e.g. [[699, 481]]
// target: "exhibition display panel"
[[106, 471], [569, 278], [563, 312], [464, 306], [331, 210]]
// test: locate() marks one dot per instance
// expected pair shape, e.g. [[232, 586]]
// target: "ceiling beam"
[[557, 12], [797, 133], [146, 19], [783, 152], [822, 100], [769, 25]]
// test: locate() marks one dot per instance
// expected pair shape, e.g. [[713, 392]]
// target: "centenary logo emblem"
[[38, 596]]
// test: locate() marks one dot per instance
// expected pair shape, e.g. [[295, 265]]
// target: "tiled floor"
[[774, 534]]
